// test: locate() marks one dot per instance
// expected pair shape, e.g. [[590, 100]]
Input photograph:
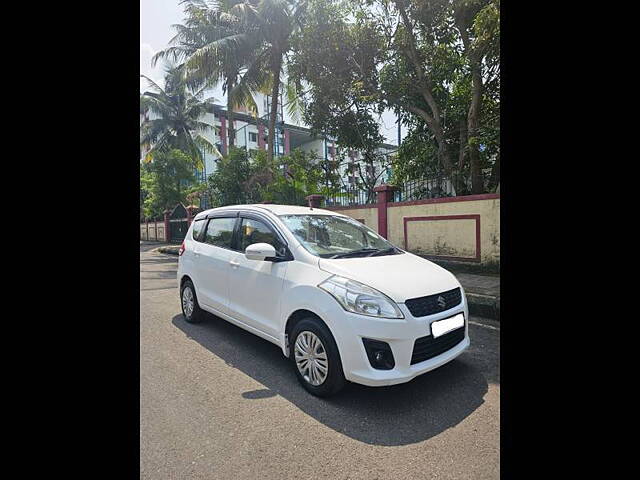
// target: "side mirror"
[[259, 251]]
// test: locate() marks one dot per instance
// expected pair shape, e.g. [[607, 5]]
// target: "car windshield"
[[330, 236]]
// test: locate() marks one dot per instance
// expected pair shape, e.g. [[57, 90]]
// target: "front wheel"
[[316, 358]]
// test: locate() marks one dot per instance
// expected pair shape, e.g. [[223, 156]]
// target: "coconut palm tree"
[[210, 49], [267, 26], [243, 43], [177, 118]]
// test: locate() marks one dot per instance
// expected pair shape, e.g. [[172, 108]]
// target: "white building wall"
[[315, 146]]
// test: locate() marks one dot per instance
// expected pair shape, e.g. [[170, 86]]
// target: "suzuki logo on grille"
[[441, 301]]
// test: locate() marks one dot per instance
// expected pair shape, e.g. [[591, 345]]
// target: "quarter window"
[[197, 229], [220, 231]]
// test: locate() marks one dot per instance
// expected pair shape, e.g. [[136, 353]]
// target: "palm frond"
[[174, 53], [293, 96], [207, 146], [152, 83]]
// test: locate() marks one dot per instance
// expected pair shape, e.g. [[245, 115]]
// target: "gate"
[[178, 230], [178, 224]]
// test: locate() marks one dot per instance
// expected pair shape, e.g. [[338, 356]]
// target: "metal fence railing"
[[439, 186], [429, 187], [345, 197], [434, 186]]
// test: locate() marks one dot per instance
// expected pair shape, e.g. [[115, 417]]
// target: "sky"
[[156, 18]]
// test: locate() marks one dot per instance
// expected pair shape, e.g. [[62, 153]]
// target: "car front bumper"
[[401, 335]]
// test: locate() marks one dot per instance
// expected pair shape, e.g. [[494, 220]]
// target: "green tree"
[[177, 119], [196, 193], [337, 55], [267, 26], [293, 177], [336, 60], [250, 38], [442, 54], [435, 63], [478, 23], [227, 183], [287, 179], [144, 190], [165, 181], [212, 48]]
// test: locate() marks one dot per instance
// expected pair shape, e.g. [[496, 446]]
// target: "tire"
[[196, 313], [333, 380]]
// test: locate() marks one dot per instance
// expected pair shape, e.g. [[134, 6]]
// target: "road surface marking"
[[484, 325]]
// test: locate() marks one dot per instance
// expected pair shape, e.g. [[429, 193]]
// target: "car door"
[[255, 286], [213, 257], [190, 257]]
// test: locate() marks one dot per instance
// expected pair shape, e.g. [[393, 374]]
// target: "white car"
[[339, 300]]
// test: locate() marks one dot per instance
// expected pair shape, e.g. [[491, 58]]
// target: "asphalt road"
[[217, 402]]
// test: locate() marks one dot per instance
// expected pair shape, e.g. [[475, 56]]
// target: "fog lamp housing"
[[379, 354]]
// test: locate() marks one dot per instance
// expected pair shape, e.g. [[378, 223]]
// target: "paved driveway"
[[217, 402]]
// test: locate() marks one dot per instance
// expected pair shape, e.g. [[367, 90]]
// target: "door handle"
[[234, 264]]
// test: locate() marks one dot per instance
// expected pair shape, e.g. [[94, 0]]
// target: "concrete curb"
[[167, 250], [484, 305]]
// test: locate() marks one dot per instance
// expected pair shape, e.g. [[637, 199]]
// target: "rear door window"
[[220, 231]]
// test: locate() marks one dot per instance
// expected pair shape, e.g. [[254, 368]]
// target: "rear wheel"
[[316, 358], [190, 308]]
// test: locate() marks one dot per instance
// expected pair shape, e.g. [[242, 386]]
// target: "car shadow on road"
[[396, 415]]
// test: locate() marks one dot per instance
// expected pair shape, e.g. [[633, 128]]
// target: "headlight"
[[358, 298]]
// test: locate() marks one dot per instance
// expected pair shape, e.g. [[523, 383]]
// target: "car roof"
[[273, 208]]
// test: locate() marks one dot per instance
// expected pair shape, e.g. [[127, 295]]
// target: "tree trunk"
[[463, 144], [275, 90], [231, 129], [474, 56], [462, 157], [443, 151], [494, 179], [424, 86], [477, 181]]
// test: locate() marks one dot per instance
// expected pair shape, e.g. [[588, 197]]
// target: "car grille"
[[429, 347], [423, 306]]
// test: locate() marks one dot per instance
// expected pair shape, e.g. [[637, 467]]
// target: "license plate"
[[444, 326]]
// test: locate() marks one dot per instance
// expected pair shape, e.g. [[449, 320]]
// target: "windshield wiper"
[[355, 252], [386, 251]]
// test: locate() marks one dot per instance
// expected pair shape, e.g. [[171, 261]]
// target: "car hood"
[[400, 277]]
